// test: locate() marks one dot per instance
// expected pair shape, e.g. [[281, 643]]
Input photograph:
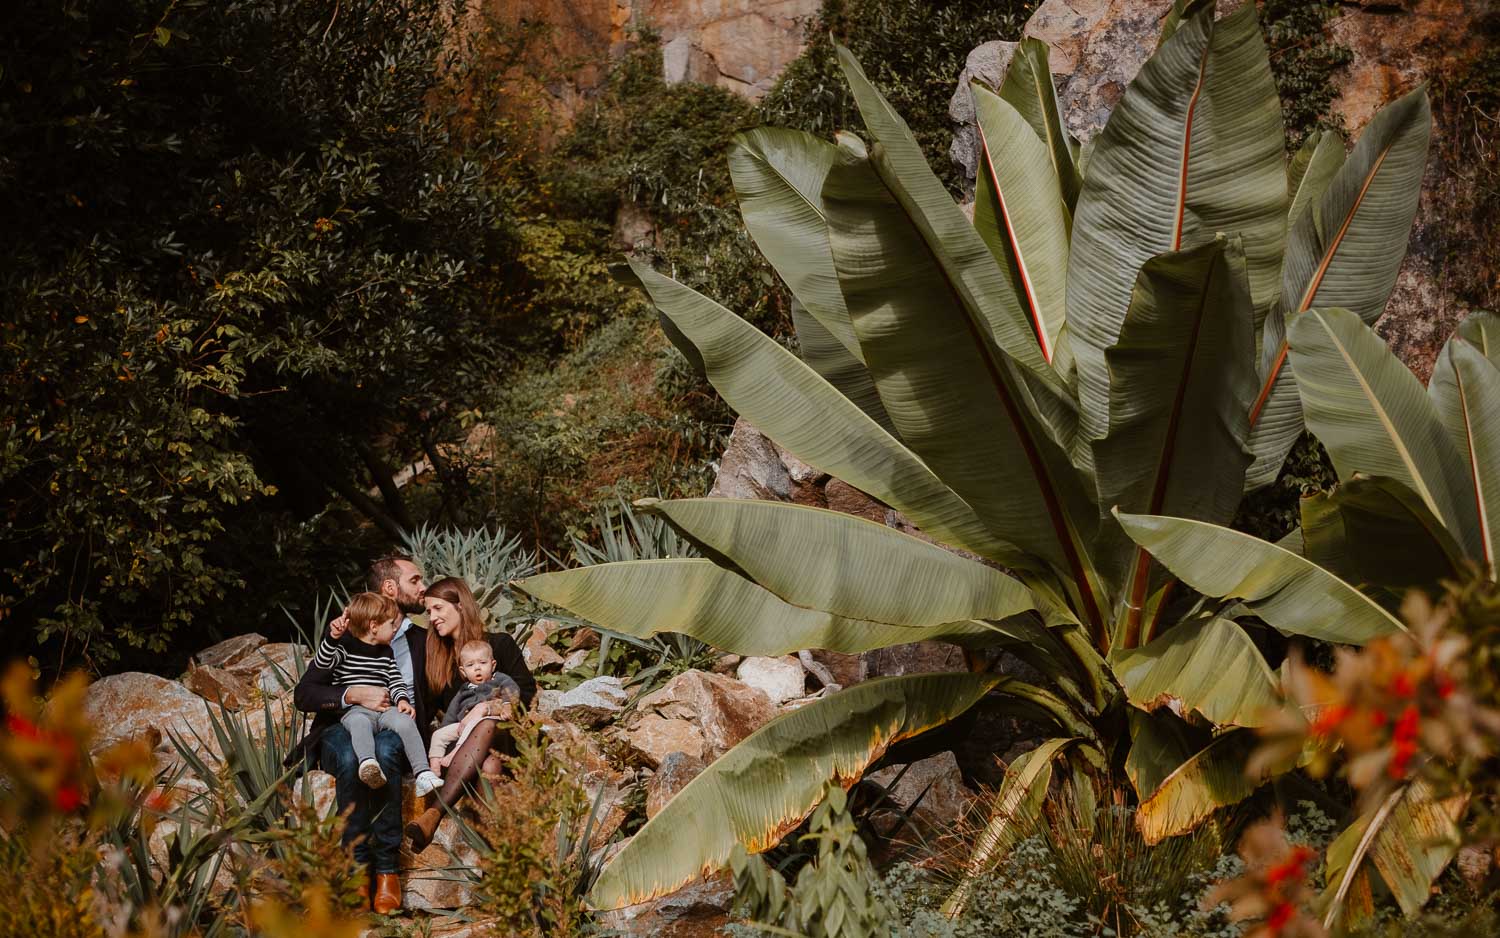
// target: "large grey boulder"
[[592, 703]]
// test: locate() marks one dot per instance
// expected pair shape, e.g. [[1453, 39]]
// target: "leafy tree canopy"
[[246, 269]]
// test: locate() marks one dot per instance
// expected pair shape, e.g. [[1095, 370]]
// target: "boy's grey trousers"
[[363, 723]]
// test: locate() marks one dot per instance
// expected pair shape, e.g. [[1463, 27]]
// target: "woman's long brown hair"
[[442, 653]]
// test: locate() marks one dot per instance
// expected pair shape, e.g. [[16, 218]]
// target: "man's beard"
[[410, 605]]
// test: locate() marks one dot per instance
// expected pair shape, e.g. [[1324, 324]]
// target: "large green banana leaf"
[[1408, 839], [1193, 149], [699, 598], [1012, 814], [1465, 389], [968, 269], [955, 397], [1308, 176], [837, 563], [793, 405], [1209, 665], [1391, 539], [1182, 378], [1022, 218], [1028, 88], [778, 178], [1160, 742], [1373, 414], [1212, 778], [1321, 538], [1481, 329], [1345, 253], [831, 359], [1291, 593], [1311, 171], [763, 788]]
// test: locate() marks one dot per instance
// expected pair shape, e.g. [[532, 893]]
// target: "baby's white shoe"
[[427, 782], [370, 774]]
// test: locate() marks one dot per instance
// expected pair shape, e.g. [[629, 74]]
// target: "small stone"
[[272, 668], [229, 652], [913, 658], [946, 800], [846, 670], [584, 638], [432, 884], [698, 909], [781, 679], [220, 686], [725, 710], [324, 791], [592, 703], [655, 737], [675, 771], [540, 656], [575, 659], [726, 664]]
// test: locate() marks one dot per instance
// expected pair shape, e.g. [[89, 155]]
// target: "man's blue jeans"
[[375, 824]]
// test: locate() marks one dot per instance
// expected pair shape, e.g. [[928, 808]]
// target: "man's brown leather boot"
[[364, 889], [421, 828], [387, 893]]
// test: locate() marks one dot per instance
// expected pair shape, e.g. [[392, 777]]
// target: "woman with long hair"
[[453, 620]]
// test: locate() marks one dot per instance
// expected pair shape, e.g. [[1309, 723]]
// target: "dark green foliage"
[[1272, 512], [243, 254], [912, 50], [1304, 58], [661, 150], [836, 893]]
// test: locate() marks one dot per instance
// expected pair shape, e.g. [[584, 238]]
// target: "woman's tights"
[[470, 759]]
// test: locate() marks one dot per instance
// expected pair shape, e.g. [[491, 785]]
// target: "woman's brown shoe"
[[387, 893], [421, 828]]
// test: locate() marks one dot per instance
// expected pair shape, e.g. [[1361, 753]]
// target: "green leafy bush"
[[244, 280], [912, 50]]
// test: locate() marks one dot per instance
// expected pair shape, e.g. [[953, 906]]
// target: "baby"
[[363, 656], [476, 662]]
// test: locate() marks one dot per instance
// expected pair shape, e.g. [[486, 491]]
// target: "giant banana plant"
[[1418, 499], [1033, 388]]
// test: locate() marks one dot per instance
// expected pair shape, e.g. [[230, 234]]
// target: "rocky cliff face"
[[741, 45]]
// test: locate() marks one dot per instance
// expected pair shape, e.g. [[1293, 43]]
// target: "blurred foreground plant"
[[1412, 723], [533, 838], [114, 846]]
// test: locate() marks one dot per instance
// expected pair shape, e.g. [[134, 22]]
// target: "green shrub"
[[913, 51], [244, 280]]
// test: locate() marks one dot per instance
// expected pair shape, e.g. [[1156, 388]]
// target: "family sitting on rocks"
[[380, 688]]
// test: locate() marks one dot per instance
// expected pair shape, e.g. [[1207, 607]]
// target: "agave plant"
[[1102, 345], [486, 560], [1418, 501]]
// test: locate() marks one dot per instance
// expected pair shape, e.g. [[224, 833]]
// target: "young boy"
[[476, 662], [363, 656]]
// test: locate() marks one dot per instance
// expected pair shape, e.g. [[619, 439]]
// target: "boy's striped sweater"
[[355, 663]]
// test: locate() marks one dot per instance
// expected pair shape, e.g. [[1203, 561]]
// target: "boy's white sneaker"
[[370, 774], [427, 782]]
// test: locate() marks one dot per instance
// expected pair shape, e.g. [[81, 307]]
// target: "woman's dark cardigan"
[[315, 693]]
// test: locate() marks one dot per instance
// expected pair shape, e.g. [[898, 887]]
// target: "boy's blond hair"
[[367, 609], [475, 646]]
